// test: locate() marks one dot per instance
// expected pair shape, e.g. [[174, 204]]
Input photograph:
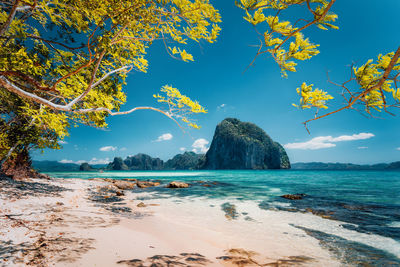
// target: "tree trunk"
[[19, 167]]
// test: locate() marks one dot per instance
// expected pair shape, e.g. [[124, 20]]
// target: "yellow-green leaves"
[[185, 56], [312, 98], [76, 55], [284, 40], [179, 105], [372, 86], [377, 90]]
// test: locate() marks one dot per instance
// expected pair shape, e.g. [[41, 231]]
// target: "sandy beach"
[[75, 222]]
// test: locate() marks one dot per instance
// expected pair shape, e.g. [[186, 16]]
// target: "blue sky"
[[260, 95]]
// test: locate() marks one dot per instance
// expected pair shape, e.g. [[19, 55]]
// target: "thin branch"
[[10, 18], [307, 25], [366, 91], [128, 112]]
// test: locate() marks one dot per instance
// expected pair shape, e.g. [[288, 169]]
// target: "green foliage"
[[312, 98], [179, 105], [373, 85], [284, 40], [66, 62]]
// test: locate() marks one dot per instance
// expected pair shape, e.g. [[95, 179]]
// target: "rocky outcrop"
[[185, 161], [118, 164], [175, 184], [244, 145], [124, 184], [143, 162], [137, 162], [86, 167]]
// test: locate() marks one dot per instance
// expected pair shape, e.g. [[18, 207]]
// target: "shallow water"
[[366, 204]]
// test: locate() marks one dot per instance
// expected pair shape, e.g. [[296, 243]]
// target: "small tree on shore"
[[66, 62]]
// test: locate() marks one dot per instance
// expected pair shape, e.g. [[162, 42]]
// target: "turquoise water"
[[366, 202]]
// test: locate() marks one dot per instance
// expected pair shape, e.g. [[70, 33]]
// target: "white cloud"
[[362, 147], [61, 142], [93, 161], [398, 148], [164, 137], [66, 161], [200, 146], [182, 149], [98, 161], [327, 141], [222, 106], [123, 149], [108, 148]]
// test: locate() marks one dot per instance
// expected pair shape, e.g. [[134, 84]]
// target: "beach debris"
[[230, 211], [141, 205], [183, 259], [294, 196], [145, 184], [175, 184], [120, 193], [241, 257], [124, 184]]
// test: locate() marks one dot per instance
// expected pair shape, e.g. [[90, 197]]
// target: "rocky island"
[[244, 145]]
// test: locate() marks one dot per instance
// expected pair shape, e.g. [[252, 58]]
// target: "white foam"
[[395, 224]]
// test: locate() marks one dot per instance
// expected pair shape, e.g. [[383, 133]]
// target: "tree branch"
[[10, 18], [385, 76]]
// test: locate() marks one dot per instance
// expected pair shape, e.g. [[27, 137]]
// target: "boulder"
[[177, 185], [294, 196], [145, 184], [124, 185]]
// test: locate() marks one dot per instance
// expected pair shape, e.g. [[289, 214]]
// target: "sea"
[[365, 204]]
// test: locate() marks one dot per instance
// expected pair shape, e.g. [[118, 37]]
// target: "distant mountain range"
[[344, 166], [55, 166], [235, 145], [184, 161]]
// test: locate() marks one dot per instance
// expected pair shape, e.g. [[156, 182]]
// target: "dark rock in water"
[[244, 145], [185, 161], [230, 211], [177, 185], [294, 196], [86, 167]]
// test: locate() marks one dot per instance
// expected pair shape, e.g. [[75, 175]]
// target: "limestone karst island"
[[156, 133]]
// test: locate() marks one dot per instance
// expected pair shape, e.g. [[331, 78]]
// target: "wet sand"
[[73, 222]]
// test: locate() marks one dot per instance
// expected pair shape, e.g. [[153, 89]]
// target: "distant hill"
[[344, 166], [138, 162], [55, 166], [185, 161]]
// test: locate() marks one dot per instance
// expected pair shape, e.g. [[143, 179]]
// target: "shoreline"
[[67, 222]]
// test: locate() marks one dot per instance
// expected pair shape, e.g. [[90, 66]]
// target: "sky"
[[218, 80]]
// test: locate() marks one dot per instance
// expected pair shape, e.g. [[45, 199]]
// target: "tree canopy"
[[373, 85], [65, 62]]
